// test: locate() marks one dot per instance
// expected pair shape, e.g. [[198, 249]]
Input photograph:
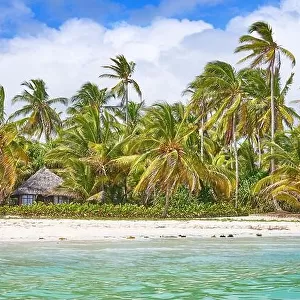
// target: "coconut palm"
[[73, 142], [135, 113], [41, 117], [123, 71], [201, 105], [71, 146], [256, 123], [284, 183], [11, 154], [90, 95], [80, 181], [89, 148], [264, 50], [226, 87], [169, 160]]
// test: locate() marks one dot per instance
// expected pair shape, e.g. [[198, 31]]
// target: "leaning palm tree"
[[41, 118], [122, 70], [80, 180], [226, 87], [284, 183], [169, 160], [11, 154], [264, 50], [2, 98]]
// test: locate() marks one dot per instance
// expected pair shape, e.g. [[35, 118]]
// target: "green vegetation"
[[125, 211], [234, 148]]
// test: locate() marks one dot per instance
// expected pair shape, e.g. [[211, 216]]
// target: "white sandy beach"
[[93, 230]]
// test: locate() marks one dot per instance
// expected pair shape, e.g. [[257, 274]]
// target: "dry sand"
[[17, 230]]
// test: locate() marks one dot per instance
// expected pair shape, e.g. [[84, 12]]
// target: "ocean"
[[215, 268]]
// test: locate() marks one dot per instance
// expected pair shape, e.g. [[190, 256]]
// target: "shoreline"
[[29, 230]]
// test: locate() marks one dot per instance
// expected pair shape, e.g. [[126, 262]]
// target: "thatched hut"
[[42, 185]]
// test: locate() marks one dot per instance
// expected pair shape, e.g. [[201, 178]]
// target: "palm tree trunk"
[[230, 152], [126, 102], [272, 167], [167, 204], [259, 150], [125, 189], [2, 198], [100, 122], [202, 140], [272, 117], [236, 160]]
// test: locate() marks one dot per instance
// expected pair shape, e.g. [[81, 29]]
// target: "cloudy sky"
[[65, 42]]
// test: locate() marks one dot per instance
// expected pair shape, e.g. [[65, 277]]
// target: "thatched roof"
[[41, 183], [60, 191]]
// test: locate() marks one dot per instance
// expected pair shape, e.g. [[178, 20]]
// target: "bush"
[[126, 211]]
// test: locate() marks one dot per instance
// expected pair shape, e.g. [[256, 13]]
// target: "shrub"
[[125, 211]]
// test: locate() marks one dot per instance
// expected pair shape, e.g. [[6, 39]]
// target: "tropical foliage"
[[40, 117], [234, 145], [12, 154], [125, 211]]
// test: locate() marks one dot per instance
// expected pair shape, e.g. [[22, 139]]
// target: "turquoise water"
[[256, 268]]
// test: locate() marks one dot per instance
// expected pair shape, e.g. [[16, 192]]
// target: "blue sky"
[[22, 15], [166, 38]]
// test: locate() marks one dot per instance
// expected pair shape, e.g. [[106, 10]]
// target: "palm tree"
[[11, 154], [226, 87], [90, 95], [264, 50], [123, 71], [256, 124], [200, 104], [2, 98], [284, 183], [84, 152], [169, 159], [80, 181], [135, 114], [41, 118]]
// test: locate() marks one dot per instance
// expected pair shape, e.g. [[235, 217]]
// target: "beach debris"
[[230, 235], [62, 239], [146, 237], [222, 236], [258, 234], [213, 236], [41, 238], [182, 236], [255, 227], [11, 217], [130, 237], [278, 228]]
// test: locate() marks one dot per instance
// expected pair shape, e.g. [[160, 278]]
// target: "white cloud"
[[74, 54], [168, 53], [291, 5]]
